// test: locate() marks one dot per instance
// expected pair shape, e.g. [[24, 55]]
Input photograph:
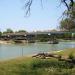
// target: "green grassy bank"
[[36, 66], [67, 52]]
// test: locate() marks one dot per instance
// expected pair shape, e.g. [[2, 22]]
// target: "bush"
[[50, 64], [71, 56]]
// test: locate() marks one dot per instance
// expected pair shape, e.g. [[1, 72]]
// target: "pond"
[[9, 51]]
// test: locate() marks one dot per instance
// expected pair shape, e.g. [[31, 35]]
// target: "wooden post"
[[22, 51]]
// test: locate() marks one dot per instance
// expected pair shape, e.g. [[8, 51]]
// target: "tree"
[[28, 4], [67, 5], [22, 31], [67, 24], [0, 33], [8, 31]]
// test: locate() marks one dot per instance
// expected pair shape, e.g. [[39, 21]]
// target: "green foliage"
[[0, 33], [36, 67], [50, 64], [71, 56], [67, 35], [67, 24], [8, 31], [22, 31]]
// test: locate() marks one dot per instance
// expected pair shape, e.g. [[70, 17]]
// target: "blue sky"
[[46, 18]]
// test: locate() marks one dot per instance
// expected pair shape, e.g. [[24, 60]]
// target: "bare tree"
[[28, 4]]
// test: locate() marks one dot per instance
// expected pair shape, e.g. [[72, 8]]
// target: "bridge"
[[52, 32], [31, 35]]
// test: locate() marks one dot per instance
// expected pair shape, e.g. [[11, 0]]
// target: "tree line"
[[9, 30]]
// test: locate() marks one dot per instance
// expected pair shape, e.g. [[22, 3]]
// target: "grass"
[[33, 66], [67, 52]]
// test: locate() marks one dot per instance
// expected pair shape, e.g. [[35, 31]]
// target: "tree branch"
[[28, 4]]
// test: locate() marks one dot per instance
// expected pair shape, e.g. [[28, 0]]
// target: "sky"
[[46, 17]]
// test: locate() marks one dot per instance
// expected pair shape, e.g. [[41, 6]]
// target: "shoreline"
[[12, 42], [6, 42], [26, 56], [30, 56]]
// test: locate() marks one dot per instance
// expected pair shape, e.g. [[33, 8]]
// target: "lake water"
[[8, 51]]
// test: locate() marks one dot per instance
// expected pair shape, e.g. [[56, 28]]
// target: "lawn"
[[37, 66]]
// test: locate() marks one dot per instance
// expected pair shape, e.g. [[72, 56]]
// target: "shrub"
[[50, 64], [71, 56]]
